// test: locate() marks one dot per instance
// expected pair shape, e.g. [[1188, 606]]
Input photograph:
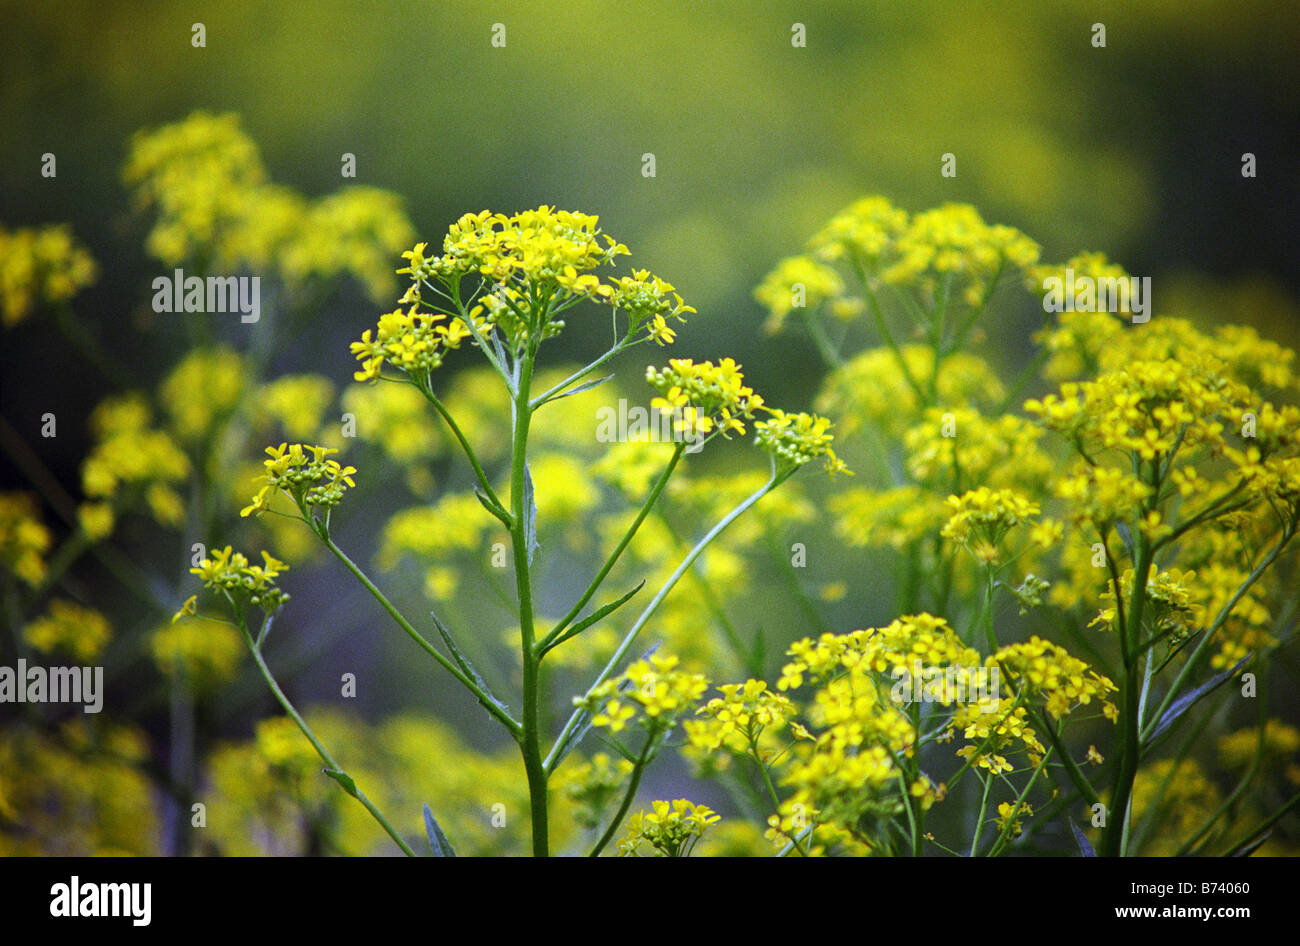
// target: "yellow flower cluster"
[[892, 518], [672, 830], [537, 246], [948, 248], [298, 402], [311, 482], [994, 732], [1010, 815], [738, 718], [799, 282], [885, 650], [69, 628], [24, 538], [593, 786], [40, 265], [648, 301], [534, 265], [981, 518], [204, 180], [413, 342], [871, 388], [1047, 670], [706, 397], [1148, 407], [203, 653], [202, 390], [1098, 495], [796, 439], [963, 445], [653, 688], [128, 454], [96, 773], [1173, 606], [229, 572]]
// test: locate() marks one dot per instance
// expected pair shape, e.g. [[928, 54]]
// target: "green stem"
[[490, 704], [552, 758], [334, 769], [596, 582], [520, 516], [628, 796]]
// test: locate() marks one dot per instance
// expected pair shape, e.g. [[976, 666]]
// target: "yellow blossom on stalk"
[[202, 390], [954, 242], [1173, 607], [892, 518], [994, 731], [797, 438], [872, 388], [650, 302], [1099, 495], [71, 629], [672, 830], [24, 538], [96, 520], [413, 342], [738, 718], [230, 572], [992, 451], [298, 402], [310, 481], [652, 690], [130, 462], [204, 182], [982, 517], [40, 266], [1010, 815], [1048, 671], [797, 282], [206, 653], [704, 397], [593, 786], [863, 231], [1280, 743]]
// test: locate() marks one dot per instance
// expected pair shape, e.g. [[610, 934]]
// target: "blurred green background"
[[1134, 149]]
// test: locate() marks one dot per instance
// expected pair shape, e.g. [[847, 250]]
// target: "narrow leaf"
[[344, 780], [463, 662], [530, 515], [438, 842], [1126, 537], [585, 386], [1250, 846], [490, 506], [1191, 698], [597, 615], [1084, 847]]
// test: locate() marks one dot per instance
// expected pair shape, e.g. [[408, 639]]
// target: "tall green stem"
[[519, 526]]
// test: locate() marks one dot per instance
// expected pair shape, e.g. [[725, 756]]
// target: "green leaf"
[[466, 667], [530, 515], [585, 386], [1084, 847], [490, 506], [1190, 699], [343, 779], [438, 842], [597, 615]]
